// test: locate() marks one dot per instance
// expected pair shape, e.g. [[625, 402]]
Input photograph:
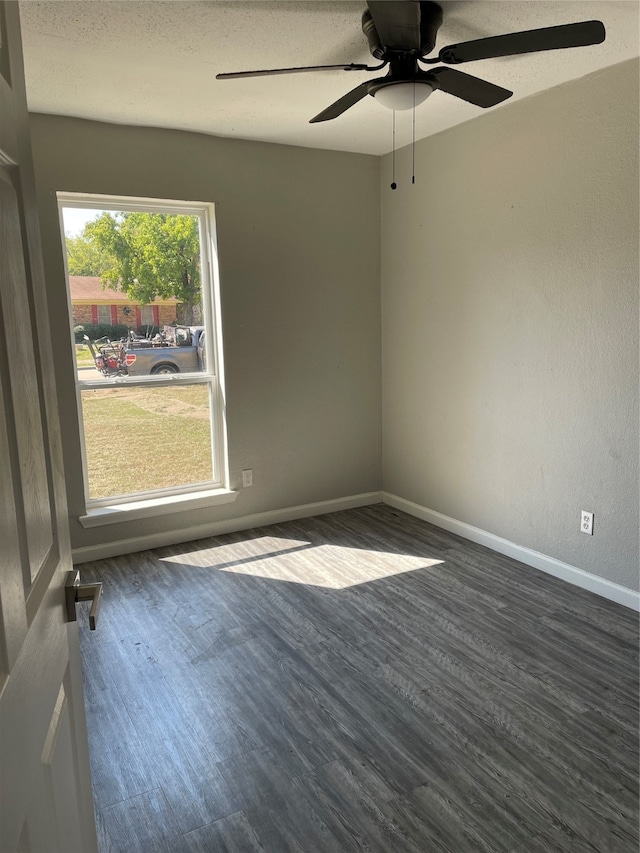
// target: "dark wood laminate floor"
[[360, 681]]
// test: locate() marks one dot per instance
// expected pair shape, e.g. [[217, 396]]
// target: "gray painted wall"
[[510, 323], [298, 235]]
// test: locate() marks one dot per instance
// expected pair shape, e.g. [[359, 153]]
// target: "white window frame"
[[171, 499]]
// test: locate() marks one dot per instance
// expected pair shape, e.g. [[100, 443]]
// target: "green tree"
[[153, 255], [85, 257]]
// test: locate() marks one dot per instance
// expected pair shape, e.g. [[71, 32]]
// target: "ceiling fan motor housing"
[[430, 22], [369, 29]]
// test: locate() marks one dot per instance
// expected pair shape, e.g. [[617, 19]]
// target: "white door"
[[45, 796]]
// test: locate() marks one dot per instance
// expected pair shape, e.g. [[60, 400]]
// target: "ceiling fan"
[[402, 33]]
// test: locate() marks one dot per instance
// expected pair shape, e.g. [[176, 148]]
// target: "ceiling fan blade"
[[347, 66], [342, 104], [468, 88], [529, 41], [397, 23]]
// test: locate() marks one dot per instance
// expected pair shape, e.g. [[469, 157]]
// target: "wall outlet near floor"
[[247, 477], [586, 522]]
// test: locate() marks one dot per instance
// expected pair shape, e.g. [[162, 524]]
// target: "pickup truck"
[[178, 349]]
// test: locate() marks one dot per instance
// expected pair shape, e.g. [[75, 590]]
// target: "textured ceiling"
[[154, 63]]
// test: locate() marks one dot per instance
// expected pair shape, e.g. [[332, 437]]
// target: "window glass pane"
[[139, 439], [146, 315], [104, 314], [147, 266]]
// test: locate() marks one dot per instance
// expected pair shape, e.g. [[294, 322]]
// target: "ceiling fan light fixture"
[[403, 96]]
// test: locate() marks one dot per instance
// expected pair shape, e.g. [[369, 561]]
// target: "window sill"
[[133, 510]]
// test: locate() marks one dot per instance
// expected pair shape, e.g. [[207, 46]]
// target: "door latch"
[[76, 591]]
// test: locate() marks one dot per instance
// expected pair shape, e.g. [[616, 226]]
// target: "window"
[[104, 314], [148, 373], [146, 315]]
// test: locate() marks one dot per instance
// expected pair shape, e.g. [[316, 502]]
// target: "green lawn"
[[139, 439], [83, 356]]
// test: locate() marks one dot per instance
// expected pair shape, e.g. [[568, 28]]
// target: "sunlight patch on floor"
[[235, 553], [298, 561]]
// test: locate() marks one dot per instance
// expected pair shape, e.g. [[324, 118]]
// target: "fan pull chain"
[[393, 152], [413, 138]]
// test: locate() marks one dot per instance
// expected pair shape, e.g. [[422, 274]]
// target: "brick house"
[[93, 303]]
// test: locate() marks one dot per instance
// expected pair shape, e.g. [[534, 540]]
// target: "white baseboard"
[[216, 528], [571, 574]]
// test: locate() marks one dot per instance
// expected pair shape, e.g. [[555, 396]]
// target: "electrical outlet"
[[586, 522], [247, 477]]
